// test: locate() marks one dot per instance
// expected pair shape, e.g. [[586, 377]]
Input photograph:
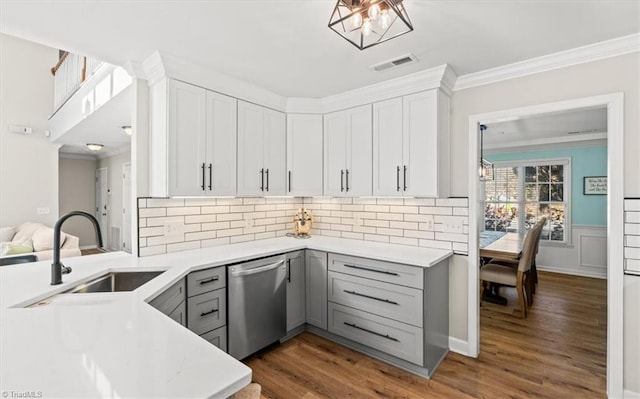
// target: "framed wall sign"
[[595, 185]]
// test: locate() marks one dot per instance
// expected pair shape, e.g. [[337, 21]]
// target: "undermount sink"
[[115, 282]]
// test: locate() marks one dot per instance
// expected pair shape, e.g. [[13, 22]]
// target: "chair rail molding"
[[579, 55]]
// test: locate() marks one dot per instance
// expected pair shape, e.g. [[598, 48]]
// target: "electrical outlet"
[[43, 211], [358, 220], [173, 228], [453, 224], [249, 222]]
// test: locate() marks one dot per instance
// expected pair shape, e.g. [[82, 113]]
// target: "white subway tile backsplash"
[[632, 204], [632, 235], [632, 217], [206, 222]]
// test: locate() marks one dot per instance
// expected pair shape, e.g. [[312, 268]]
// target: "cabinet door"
[[295, 290], [221, 144], [358, 180], [179, 314], [250, 150], [304, 155], [420, 146], [316, 286], [387, 148], [275, 152], [186, 144], [335, 153]]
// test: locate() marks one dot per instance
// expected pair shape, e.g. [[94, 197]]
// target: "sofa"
[[36, 239]]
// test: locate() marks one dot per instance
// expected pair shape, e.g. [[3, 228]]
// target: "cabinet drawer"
[[171, 298], [179, 314], [410, 276], [389, 336], [207, 311], [206, 280], [384, 299], [217, 337]]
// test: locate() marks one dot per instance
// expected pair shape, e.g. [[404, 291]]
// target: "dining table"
[[498, 245]]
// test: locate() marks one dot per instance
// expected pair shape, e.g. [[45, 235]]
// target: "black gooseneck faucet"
[[57, 268]]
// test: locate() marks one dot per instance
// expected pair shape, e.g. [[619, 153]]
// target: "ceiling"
[[285, 45], [552, 128]]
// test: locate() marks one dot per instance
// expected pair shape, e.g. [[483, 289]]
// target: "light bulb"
[[366, 27], [385, 19], [374, 12], [356, 20]]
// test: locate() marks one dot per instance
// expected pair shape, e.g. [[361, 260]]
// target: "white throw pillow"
[[43, 239], [25, 231], [7, 233]]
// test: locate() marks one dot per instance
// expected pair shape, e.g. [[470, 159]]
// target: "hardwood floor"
[[558, 351]]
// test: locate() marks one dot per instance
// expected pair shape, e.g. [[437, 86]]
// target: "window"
[[521, 193]]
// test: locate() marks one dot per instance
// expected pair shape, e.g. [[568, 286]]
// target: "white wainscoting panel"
[[586, 257]]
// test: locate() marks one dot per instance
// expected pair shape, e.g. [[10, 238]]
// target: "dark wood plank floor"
[[558, 351]]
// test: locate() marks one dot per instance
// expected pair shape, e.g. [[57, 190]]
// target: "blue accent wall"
[[587, 210]]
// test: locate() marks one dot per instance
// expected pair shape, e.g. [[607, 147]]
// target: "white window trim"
[[567, 194]]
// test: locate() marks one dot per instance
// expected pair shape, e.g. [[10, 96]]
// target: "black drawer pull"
[[211, 280], [372, 332], [372, 270], [209, 312], [370, 297]]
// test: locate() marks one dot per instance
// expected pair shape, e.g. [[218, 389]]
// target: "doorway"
[[615, 151], [102, 199]]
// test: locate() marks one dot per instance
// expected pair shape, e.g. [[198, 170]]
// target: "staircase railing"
[[69, 74]]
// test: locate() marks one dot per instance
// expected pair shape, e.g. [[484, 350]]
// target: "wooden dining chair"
[[519, 277]]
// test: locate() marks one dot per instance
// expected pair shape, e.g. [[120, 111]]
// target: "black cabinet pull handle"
[[211, 280], [202, 177], [398, 178], [289, 181], [341, 180], [371, 297], [347, 179], [289, 270], [210, 176], [262, 179], [267, 173], [372, 270], [209, 312], [371, 332], [405, 177]]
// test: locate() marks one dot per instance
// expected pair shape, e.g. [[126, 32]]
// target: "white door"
[[420, 146], [275, 152], [387, 148], [335, 153], [187, 125], [127, 207], [251, 176], [358, 179], [102, 198], [220, 174], [304, 155]]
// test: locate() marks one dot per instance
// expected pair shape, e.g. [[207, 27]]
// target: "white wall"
[[77, 192], [619, 74], [28, 164], [114, 198]]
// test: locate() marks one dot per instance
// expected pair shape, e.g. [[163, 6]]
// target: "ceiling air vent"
[[396, 62]]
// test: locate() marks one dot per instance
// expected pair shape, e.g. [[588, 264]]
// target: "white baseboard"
[[574, 272], [631, 394], [459, 346]]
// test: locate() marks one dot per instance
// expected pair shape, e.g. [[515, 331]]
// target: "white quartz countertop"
[[115, 344]]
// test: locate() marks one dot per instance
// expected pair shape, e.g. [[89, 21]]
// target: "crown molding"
[[303, 105], [159, 65], [579, 55], [440, 77], [549, 143]]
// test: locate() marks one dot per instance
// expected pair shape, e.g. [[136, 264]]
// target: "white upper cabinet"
[[261, 151], [411, 145], [347, 156], [304, 155], [193, 136]]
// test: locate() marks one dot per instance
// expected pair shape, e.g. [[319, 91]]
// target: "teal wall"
[[588, 210]]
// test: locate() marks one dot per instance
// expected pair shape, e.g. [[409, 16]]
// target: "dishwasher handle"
[[257, 270]]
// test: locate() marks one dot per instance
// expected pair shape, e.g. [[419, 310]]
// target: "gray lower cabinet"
[[399, 310], [172, 302], [296, 293], [207, 305], [316, 288]]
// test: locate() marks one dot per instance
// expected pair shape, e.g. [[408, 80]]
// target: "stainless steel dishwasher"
[[257, 306]]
